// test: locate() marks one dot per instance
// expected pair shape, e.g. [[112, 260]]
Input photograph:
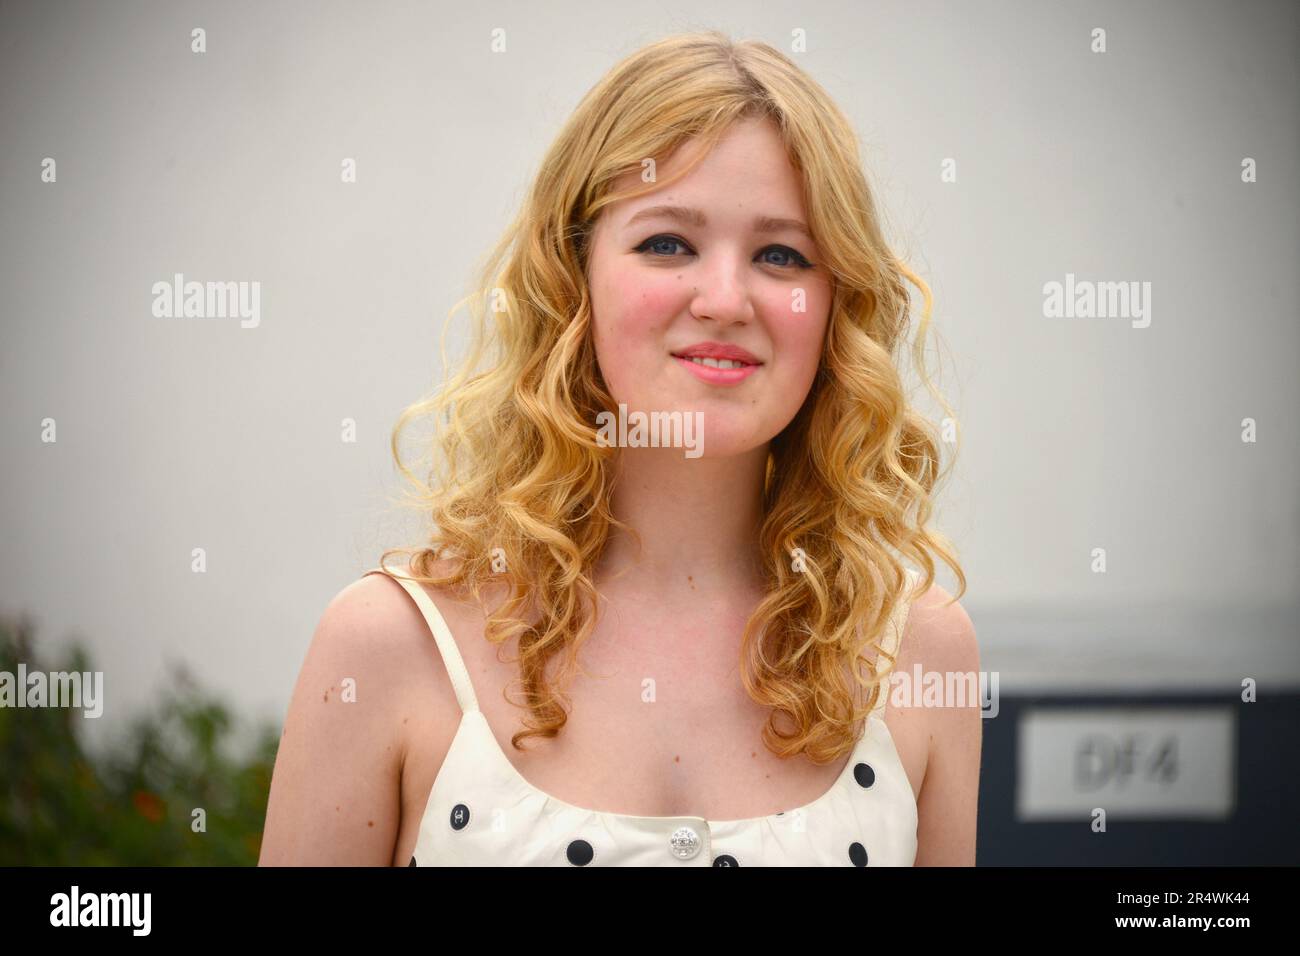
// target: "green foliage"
[[133, 806]]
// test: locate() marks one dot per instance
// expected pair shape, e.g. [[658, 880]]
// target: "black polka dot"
[[725, 860], [580, 853], [459, 816], [858, 854], [864, 775], [412, 863]]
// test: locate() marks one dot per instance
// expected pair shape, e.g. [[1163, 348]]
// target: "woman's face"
[[718, 272]]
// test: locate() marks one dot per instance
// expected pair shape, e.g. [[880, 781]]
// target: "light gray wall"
[[1078, 433]]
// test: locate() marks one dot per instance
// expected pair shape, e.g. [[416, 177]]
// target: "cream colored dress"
[[482, 812]]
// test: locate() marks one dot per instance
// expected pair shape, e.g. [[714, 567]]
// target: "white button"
[[684, 843]]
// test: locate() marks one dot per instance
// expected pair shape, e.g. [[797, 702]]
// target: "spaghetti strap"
[[893, 637], [451, 657]]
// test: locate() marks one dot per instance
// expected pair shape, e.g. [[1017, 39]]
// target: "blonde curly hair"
[[521, 482]]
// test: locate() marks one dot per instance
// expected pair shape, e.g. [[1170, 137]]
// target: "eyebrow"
[[696, 218]]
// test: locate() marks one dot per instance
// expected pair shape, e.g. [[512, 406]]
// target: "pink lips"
[[717, 376], [719, 350]]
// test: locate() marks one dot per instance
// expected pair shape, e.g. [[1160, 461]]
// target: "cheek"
[[798, 336], [632, 310], [645, 301]]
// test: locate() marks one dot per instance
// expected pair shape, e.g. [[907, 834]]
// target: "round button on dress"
[[685, 843]]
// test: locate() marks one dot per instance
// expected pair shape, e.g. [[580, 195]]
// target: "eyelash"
[[800, 262]]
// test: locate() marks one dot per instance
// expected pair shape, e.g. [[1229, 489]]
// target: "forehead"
[[748, 171]]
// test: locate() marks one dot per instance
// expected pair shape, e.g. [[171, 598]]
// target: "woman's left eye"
[[795, 257], [792, 257]]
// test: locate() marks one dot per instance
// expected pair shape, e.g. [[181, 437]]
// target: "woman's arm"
[[335, 791], [945, 643]]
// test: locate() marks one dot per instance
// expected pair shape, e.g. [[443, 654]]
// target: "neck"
[[698, 521]]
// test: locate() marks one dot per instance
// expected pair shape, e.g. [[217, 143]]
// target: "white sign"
[[1147, 762]]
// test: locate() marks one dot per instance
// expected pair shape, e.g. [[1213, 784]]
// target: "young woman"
[[673, 652]]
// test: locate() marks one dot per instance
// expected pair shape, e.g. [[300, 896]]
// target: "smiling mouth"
[[715, 363], [720, 372]]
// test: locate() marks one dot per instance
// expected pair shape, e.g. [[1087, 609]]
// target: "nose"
[[723, 293]]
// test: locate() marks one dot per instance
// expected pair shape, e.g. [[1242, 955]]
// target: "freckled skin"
[[740, 292]]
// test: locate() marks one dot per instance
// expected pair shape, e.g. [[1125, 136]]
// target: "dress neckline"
[[463, 685], [493, 745]]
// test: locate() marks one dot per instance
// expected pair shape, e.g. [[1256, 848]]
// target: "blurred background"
[[1125, 499]]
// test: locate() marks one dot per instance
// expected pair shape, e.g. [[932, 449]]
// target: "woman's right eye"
[[660, 242]]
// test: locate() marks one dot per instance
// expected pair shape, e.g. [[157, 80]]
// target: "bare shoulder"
[[940, 637], [335, 788], [939, 633], [373, 626]]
